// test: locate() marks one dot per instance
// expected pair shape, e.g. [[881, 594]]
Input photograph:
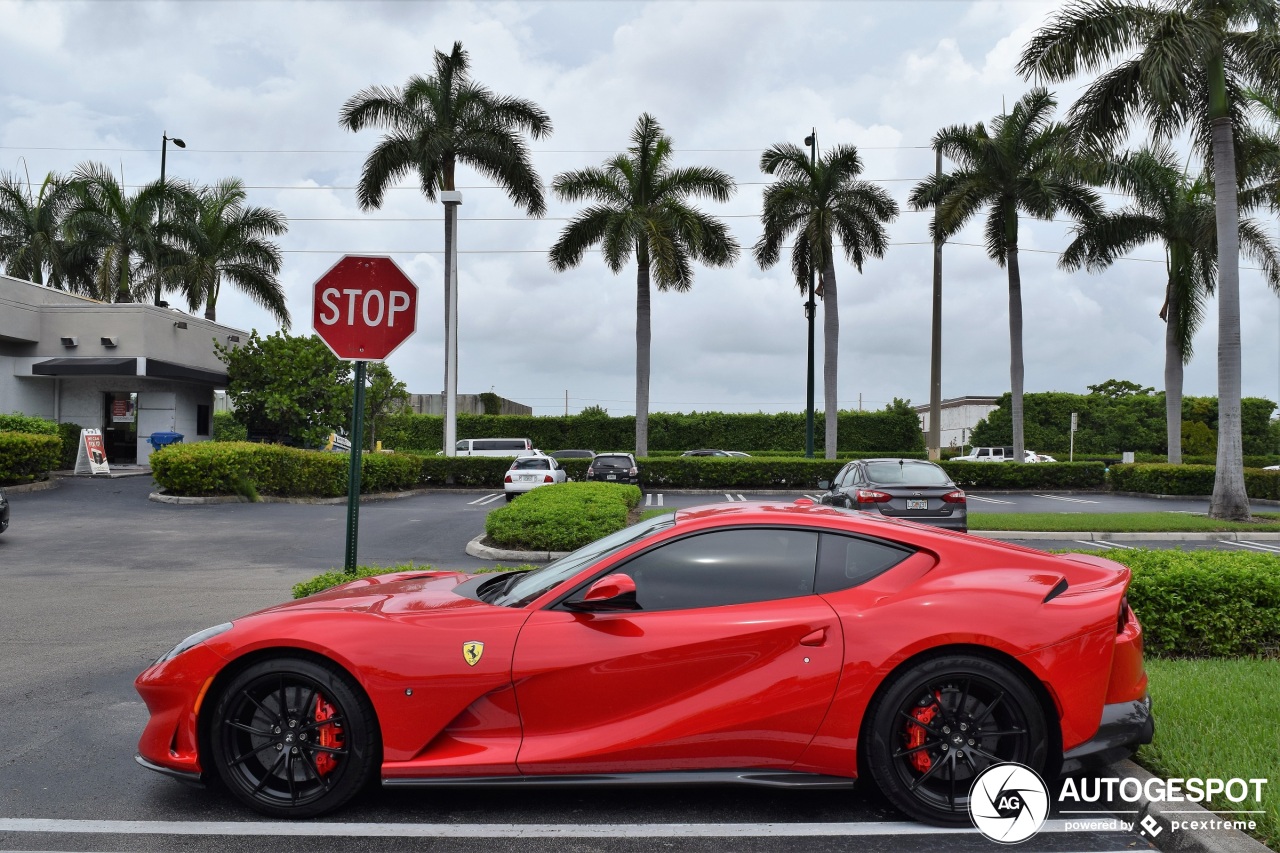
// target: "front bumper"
[[1125, 726]]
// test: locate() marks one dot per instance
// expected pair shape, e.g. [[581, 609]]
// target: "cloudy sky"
[[255, 88]]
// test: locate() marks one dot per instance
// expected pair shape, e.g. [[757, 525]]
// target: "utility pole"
[[935, 360]]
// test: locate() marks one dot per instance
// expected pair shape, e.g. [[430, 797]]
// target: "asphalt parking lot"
[[97, 581]]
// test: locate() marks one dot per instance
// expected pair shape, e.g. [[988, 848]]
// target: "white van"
[[495, 447]]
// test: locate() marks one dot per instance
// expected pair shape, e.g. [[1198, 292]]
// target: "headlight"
[[194, 640]]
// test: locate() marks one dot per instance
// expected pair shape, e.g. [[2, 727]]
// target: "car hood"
[[399, 593]]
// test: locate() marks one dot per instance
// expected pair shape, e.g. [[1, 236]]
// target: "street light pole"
[[809, 310], [165, 139]]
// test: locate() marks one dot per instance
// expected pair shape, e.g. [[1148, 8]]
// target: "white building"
[[129, 369], [959, 416]]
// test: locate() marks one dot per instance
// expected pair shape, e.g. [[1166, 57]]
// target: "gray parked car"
[[4, 512], [910, 489]]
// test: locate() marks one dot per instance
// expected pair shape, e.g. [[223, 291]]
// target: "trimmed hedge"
[[1205, 603], [1009, 475], [26, 456], [895, 426], [562, 517], [27, 423], [1188, 480], [226, 468]]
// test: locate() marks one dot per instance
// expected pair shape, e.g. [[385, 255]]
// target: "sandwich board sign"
[[91, 457]]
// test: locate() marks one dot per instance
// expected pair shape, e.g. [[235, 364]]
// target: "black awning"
[[168, 370], [86, 367]]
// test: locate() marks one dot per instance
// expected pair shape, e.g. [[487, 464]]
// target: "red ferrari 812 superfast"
[[766, 644]]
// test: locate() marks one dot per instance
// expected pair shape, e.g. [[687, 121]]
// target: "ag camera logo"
[[1008, 802]]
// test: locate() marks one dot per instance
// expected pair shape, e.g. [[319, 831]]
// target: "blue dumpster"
[[163, 439]]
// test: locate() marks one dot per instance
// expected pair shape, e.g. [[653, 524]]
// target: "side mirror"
[[611, 592], [824, 484]]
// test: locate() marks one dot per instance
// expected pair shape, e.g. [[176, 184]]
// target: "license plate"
[[527, 478], [611, 477], [913, 503]]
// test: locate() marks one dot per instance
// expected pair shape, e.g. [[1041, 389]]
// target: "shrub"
[[227, 428], [328, 580], [26, 456], [26, 423], [562, 517], [1188, 480], [1010, 475], [1205, 603], [224, 468], [70, 435]]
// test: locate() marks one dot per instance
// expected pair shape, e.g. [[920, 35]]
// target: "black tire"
[[294, 738], [510, 497], [926, 769]]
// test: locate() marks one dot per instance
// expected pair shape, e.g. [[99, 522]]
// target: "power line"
[[192, 150]]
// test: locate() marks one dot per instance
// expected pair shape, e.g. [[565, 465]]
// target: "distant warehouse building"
[[129, 369], [959, 416]]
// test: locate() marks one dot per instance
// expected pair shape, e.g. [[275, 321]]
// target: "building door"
[[120, 427]]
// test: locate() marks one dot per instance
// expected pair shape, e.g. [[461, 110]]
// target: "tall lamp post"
[[809, 310], [165, 139]]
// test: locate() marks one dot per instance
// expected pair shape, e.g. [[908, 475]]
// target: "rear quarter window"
[[848, 561]]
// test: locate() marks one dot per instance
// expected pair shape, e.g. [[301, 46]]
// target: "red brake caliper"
[[916, 735], [329, 736]]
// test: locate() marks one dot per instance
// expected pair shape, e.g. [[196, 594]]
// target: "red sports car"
[[781, 645]]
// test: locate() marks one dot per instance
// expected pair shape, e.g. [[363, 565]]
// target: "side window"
[[983, 452], [462, 446], [725, 567], [842, 479], [847, 561]]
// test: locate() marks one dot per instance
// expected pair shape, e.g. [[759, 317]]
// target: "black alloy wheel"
[[941, 723], [293, 738]]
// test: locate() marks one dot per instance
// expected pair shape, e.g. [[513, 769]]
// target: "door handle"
[[817, 638]]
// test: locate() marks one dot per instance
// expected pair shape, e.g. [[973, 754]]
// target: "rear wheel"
[[293, 738], [944, 721]]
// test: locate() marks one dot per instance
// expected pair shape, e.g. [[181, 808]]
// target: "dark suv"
[[614, 468]]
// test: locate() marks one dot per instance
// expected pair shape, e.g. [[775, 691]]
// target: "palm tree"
[[433, 124], [118, 229], [639, 207], [1171, 207], [1179, 64], [216, 237], [1025, 164], [33, 243], [817, 202]]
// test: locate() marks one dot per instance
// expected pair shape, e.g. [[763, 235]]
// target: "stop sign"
[[363, 308]]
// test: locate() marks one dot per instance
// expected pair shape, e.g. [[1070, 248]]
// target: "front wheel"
[[941, 723], [293, 738]]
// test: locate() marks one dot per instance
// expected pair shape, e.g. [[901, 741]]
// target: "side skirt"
[[757, 778]]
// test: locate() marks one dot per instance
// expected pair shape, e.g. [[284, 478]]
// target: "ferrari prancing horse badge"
[[471, 652]]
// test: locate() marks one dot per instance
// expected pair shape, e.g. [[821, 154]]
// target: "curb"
[[486, 552], [1163, 814], [40, 486], [1104, 536], [179, 500]]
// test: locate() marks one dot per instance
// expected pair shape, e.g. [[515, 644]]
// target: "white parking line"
[[487, 499], [486, 830], [652, 500], [1115, 545], [732, 498], [1256, 546], [974, 497], [1069, 500]]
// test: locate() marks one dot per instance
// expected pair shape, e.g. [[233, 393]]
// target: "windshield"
[[907, 474], [533, 584]]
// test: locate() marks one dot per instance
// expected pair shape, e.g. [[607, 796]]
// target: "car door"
[[730, 662], [833, 496]]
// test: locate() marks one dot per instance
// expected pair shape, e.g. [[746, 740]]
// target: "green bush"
[[320, 583], [896, 426], [562, 517], [26, 423], [1188, 480], [223, 468], [1205, 603], [227, 428], [26, 456], [70, 435], [1009, 475]]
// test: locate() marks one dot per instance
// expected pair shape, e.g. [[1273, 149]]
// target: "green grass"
[[1119, 522], [1217, 718]]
